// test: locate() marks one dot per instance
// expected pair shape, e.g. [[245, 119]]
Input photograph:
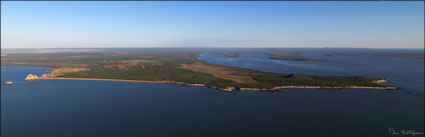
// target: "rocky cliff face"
[[31, 77], [62, 71], [55, 72], [380, 81]]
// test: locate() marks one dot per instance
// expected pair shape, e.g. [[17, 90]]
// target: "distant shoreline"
[[227, 88]]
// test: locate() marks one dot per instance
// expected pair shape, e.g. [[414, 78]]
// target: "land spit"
[[230, 88]]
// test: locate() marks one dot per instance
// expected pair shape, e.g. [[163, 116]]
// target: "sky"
[[84, 24]]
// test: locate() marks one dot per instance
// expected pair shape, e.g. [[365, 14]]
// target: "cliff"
[[380, 81], [31, 77], [55, 72], [62, 71]]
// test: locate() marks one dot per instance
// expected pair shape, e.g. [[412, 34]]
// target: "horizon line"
[[214, 47]]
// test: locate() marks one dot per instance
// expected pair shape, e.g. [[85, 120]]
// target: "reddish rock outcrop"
[[31, 77], [62, 71]]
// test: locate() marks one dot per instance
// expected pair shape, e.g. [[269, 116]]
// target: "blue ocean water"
[[51, 108]]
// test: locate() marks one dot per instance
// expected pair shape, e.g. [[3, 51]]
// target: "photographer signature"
[[403, 132]]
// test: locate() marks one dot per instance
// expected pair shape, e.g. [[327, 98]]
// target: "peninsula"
[[178, 67]]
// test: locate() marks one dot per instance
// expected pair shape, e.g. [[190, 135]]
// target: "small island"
[[228, 53], [178, 67], [295, 59], [288, 55]]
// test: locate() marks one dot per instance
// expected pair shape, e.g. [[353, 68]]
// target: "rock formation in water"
[[31, 77]]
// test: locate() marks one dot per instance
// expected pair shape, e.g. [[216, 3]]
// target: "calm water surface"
[[52, 108]]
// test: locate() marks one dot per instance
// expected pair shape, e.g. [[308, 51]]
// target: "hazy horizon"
[[378, 24]]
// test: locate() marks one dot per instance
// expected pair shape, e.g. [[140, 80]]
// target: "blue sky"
[[376, 24]]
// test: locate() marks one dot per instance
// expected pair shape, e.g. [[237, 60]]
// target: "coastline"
[[228, 88]]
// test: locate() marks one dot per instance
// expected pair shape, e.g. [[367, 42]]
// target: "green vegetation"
[[156, 73], [308, 80], [166, 64]]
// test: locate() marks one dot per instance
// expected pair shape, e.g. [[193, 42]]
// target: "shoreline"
[[228, 88]]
